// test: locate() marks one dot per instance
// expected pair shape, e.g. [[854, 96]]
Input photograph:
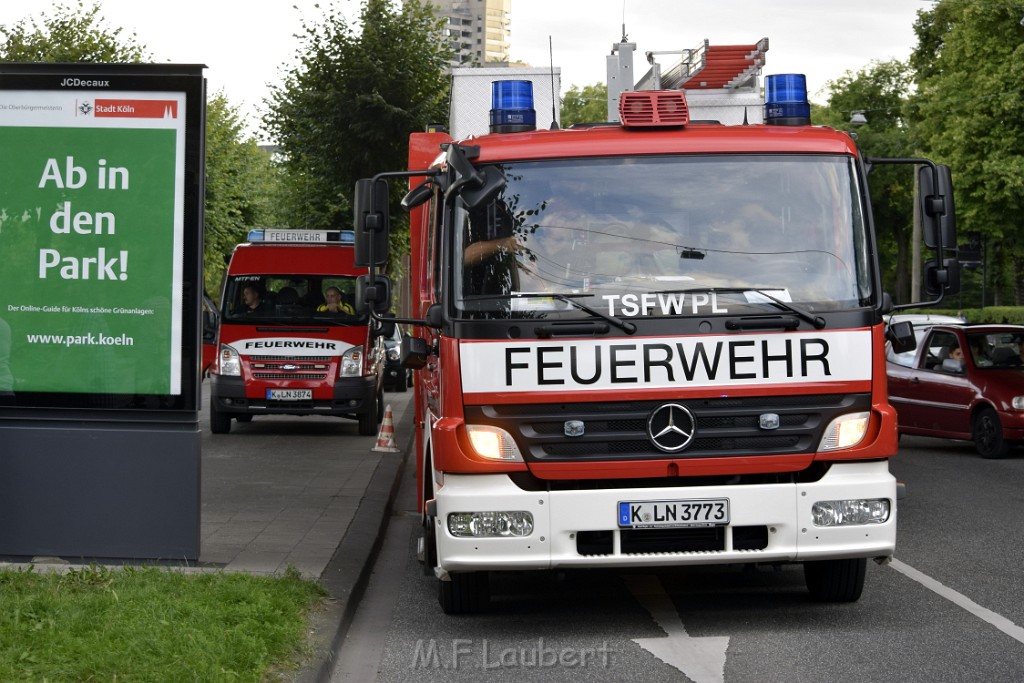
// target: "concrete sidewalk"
[[279, 506]]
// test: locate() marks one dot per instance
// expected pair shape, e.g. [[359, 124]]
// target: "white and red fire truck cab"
[[651, 343], [293, 339]]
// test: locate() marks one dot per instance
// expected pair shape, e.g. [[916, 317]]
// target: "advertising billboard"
[[97, 244]]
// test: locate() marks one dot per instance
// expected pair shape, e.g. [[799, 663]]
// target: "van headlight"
[[351, 363], [228, 362]]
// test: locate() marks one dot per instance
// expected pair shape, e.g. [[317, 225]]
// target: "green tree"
[[880, 92], [346, 109], [969, 111], [69, 34], [586, 105], [240, 179], [241, 187]]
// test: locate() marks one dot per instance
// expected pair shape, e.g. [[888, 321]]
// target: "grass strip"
[[125, 624]]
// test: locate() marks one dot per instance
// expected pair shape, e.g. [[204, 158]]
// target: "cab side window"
[[939, 346]]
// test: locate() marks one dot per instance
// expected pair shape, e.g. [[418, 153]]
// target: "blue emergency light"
[[785, 100], [512, 107]]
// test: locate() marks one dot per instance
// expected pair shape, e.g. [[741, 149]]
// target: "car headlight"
[[853, 512], [393, 354], [1017, 402], [229, 362], [494, 443], [846, 431], [351, 363]]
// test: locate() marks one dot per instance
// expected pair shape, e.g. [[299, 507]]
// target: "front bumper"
[[348, 396], [769, 523]]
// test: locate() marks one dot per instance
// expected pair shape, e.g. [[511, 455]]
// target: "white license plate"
[[650, 514], [289, 394]]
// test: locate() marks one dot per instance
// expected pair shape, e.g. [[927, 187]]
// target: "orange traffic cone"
[[386, 438]]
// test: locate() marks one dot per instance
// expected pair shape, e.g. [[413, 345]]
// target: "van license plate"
[[289, 394], [651, 514]]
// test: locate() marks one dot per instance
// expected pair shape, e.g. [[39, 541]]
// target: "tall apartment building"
[[479, 29]]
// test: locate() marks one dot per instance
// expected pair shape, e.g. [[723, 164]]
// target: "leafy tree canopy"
[[585, 105], [70, 33], [241, 186], [346, 109]]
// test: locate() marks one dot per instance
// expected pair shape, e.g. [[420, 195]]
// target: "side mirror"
[[385, 327], [417, 195], [940, 281], [901, 336], [371, 222], [435, 316], [938, 215], [414, 352], [491, 185], [375, 296]]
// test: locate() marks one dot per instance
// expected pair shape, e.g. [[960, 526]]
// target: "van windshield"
[[291, 299], [662, 236]]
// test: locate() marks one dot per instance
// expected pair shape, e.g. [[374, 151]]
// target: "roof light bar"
[[293, 236]]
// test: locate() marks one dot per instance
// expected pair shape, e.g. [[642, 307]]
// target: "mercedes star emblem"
[[671, 427]]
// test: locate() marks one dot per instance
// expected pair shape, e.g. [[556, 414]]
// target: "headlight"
[[850, 512], [846, 431], [393, 353], [351, 363], [494, 443], [1017, 402], [229, 363], [503, 523]]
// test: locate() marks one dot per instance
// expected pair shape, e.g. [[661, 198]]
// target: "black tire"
[[988, 434], [403, 382], [220, 423], [380, 405], [429, 546], [835, 580], [465, 593], [368, 419]]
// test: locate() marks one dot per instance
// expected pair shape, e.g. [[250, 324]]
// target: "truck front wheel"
[[368, 419], [464, 593], [220, 423], [835, 580]]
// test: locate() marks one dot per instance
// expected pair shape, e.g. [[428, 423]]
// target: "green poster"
[[90, 235]]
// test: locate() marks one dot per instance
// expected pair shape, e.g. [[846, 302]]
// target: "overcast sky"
[[244, 43]]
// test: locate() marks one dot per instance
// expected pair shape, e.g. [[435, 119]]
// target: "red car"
[[962, 382]]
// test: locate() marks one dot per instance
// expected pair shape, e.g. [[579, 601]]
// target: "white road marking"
[[702, 660], [1000, 622]]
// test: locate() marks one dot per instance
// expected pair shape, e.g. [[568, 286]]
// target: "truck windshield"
[[290, 300], [665, 236]]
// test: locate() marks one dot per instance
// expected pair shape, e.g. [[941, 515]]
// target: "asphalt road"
[[950, 608]]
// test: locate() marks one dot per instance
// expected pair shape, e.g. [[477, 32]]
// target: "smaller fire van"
[[293, 338]]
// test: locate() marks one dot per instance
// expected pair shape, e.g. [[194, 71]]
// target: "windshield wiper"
[[815, 320], [627, 327]]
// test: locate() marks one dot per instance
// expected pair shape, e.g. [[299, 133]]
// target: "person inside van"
[[335, 303], [253, 302]]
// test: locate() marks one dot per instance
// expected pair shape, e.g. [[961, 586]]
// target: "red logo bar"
[[136, 109]]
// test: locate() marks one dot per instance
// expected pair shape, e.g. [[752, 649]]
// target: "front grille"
[[682, 540], [315, 377], [618, 430], [308, 368]]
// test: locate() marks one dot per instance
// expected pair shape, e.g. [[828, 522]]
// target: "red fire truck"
[[282, 348], [655, 342]]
